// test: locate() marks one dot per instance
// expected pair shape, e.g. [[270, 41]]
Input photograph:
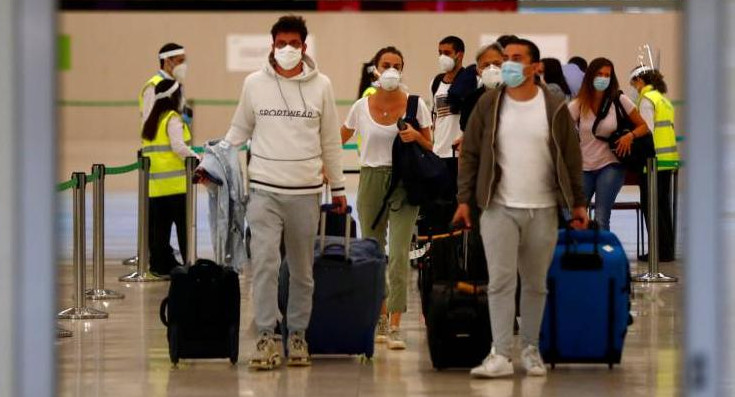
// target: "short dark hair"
[[166, 48], [290, 24], [533, 50], [554, 75], [505, 39], [456, 42], [579, 61]]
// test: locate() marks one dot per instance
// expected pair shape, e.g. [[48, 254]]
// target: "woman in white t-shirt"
[[374, 118], [603, 173]]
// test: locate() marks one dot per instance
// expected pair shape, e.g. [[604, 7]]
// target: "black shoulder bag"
[[641, 148], [423, 173]]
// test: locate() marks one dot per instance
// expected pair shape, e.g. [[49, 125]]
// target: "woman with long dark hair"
[[658, 113], [594, 111], [165, 138], [554, 77], [374, 118]]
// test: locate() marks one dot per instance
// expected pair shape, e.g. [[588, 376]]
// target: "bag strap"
[[601, 114], [435, 83], [434, 88], [412, 109], [620, 113]]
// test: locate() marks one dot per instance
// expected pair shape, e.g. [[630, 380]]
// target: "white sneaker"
[[532, 361], [382, 330], [266, 355], [298, 350], [493, 366], [395, 340]]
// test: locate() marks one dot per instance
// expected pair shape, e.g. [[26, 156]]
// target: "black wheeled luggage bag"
[[457, 315], [202, 312]]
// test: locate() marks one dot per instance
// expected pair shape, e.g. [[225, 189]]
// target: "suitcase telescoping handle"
[[323, 228]]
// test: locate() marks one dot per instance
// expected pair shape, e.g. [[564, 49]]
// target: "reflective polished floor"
[[126, 354]]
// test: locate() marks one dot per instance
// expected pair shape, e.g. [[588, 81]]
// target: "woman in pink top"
[[594, 112]]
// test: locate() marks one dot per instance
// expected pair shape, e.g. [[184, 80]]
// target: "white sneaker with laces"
[[382, 330], [395, 339], [298, 350], [266, 355], [493, 366], [532, 361]]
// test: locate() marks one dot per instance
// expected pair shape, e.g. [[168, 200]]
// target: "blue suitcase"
[[588, 305], [348, 294]]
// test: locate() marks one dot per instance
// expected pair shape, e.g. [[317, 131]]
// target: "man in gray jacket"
[[520, 159]]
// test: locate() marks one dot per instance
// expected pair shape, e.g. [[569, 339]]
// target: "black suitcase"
[[443, 262], [457, 320], [202, 312]]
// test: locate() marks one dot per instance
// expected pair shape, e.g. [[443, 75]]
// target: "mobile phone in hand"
[[401, 124]]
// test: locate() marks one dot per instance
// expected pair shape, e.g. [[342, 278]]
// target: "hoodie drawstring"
[[283, 97]]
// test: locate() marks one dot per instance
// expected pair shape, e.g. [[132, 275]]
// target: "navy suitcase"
[[349, 286], [202, 312], [588, 306]]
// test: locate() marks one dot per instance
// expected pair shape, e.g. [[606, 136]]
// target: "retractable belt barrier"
[[653, 275]]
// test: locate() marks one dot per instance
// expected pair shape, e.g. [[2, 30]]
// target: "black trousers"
[[164, 212], [666, 249]]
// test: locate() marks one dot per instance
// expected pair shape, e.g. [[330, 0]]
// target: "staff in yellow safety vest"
[[165, 141], [173, 66], [658, 113]]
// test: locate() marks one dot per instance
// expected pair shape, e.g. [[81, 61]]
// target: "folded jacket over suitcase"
[[349, 286], [588, 305], [202, 312]]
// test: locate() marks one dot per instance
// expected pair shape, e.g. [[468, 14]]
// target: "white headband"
[[639, 71], [168, 92], [172, 53]]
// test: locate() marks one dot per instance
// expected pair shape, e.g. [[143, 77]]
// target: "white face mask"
[[179, 72], [446, 63], [390, 79], [491, 77], [287, 57]]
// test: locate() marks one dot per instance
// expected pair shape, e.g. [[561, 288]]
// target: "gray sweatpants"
[[517, 241], [297, 217]]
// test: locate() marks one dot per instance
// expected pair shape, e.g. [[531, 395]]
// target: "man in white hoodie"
[[287, 111]]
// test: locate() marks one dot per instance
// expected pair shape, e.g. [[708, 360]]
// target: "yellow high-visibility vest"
[[168, 172], [152, 82], [664, 136]]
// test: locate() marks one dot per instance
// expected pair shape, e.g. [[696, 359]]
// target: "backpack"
[[424, 175]]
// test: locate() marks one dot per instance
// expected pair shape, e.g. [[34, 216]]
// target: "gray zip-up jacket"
[[226, 203], [479, 171]]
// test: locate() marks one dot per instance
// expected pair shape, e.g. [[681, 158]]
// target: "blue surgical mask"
[[512, 73], [601, 83]]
